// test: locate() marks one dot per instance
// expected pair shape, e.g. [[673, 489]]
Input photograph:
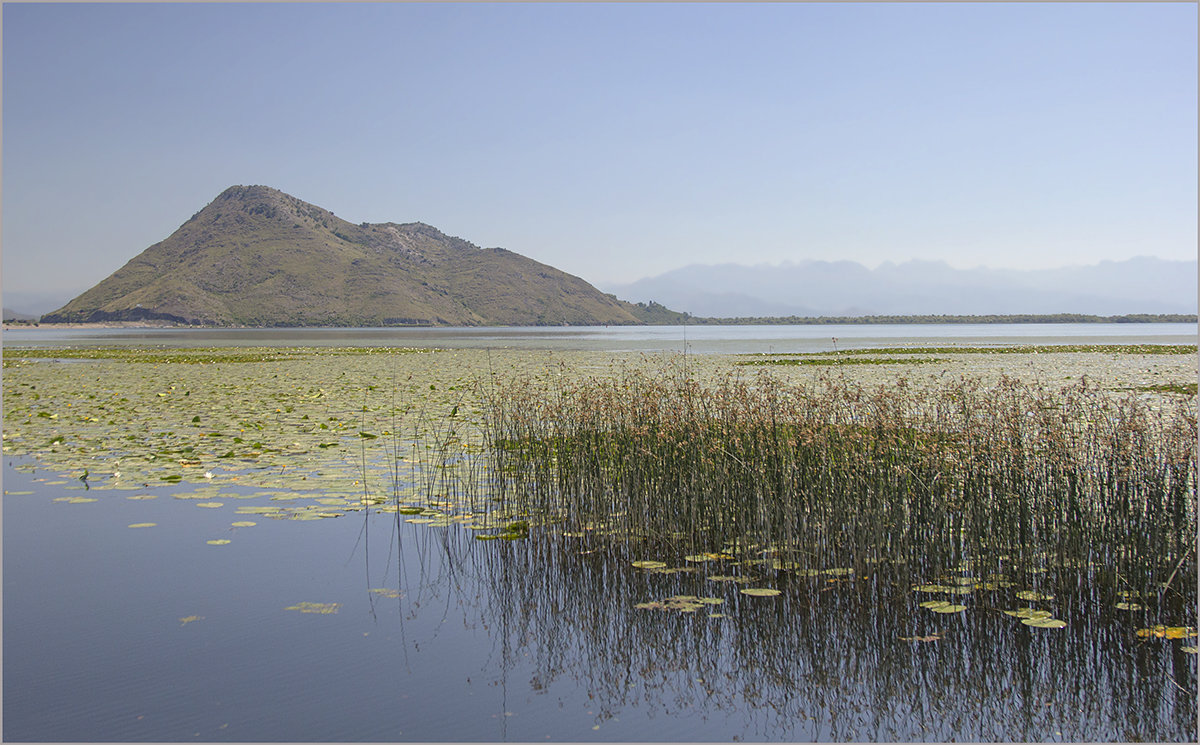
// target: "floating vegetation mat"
[[289, 434]]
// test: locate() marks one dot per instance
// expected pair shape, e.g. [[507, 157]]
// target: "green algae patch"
[[143, 525]]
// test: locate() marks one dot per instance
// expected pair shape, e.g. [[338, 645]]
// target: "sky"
[[612, 141]]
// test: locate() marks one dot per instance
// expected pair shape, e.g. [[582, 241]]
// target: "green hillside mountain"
[[258, 257]]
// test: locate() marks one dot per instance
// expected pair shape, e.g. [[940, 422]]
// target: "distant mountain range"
[[846, 288], [258, 257]]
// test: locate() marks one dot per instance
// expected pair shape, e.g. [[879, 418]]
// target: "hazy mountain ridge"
[[258, 257], [845, 288]]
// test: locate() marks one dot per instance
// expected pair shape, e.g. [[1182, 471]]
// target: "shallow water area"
[[191, 553], [369, 628]]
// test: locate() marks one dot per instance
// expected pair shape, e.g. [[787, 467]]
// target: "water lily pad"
[[650, 564], [943, 606], [1190, 650], [143, 496], [387, 592], [188, 619], [322, 608], [728, 578], [1044, 623], [210, 505], [1167, 632], [1129, 606], [75, 500], [1029, 613], [302, 515], [996, 585], [218, 542], [143, 525], [759, 592], [244, 524]]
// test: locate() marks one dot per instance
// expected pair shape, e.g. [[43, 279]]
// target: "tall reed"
[[1009, 480]]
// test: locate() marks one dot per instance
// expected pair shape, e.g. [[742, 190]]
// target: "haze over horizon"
[[615, 142]]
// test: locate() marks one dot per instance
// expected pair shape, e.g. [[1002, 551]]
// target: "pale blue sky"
[[613, 141]]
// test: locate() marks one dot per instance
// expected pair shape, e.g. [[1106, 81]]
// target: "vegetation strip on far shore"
[[1014, 349]]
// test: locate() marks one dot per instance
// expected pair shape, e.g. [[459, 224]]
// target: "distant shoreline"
[[1058, 318], [950, 319]]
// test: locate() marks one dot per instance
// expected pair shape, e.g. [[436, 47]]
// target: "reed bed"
[[1007, 481]]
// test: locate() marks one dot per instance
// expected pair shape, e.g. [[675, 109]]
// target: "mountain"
[[258, 257], [845, 288], [16, 315]]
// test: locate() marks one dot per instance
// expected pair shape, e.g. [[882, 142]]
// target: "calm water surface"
[[699, 339], [152, 634]]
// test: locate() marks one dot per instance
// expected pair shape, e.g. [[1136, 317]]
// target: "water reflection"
[[849, 657]]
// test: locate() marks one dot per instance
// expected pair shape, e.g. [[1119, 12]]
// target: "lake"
[[698, 339], [221, 572]]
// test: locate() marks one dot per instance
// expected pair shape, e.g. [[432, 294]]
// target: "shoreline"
[[1058, 319]]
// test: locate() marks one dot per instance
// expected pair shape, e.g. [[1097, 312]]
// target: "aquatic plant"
[[1043, 489]]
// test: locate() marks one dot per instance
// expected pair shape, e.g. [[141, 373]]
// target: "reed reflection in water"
[[832, 657], [936, 562]]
